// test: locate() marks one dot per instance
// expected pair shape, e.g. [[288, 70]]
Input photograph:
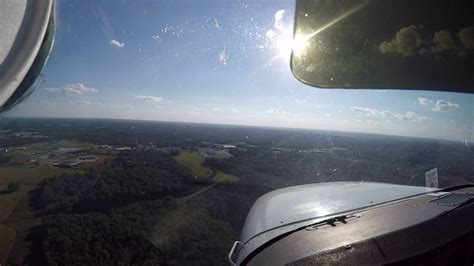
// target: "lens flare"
[[286, 44]]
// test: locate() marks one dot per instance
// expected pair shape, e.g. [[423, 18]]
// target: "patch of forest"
[[135, 212], [133, 176], [278, 169]]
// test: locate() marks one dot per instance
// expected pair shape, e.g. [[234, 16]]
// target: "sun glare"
[[286, 44]]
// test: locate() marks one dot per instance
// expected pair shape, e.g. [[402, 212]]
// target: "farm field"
[[8, 201], [16, 203], [6, 241], [29, 176], [44, 147], [224, 177], [21, 220], [193, 162]]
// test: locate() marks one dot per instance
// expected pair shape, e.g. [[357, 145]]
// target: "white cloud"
[[372, 112], [424, 101], [409, 41], [364, 111], [199, 109], [466, 36], [224, 109], [271, 34], [439, 105], [83, 102], [444, 106], [122, 106], [442, 41], [149, 99], [276, 111], [117, 43], [411, 116], [278, 20], [406, 42], [387, 113], [304, 101], [73, 89]]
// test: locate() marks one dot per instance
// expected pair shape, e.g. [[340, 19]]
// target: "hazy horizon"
[[238, 125], [219, 62]]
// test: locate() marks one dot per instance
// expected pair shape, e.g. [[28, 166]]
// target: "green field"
[[193, 162], [16, 204], [75, 144], [224, 177], [29, 176], [21, 220], [6, 241], [28, 179], [33, 148], [9, 201], [41, 147]]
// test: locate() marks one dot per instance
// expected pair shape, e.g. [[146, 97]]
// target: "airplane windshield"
[[155, 125]]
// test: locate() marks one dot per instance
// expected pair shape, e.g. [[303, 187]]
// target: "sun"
[[286, 44]]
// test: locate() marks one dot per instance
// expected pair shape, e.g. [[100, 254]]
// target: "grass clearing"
[[34, 148], [28, 179], [75, 144], [7, 238], [45, 147], [30, 176], [18, 158], [224, 177], [9, 201], [14, 207], [193, 162], [16, 216], [21, 220]]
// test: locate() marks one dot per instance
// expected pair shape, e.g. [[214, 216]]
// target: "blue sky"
[[223, 62]]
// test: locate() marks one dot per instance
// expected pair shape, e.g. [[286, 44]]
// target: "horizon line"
[[236, 125]]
